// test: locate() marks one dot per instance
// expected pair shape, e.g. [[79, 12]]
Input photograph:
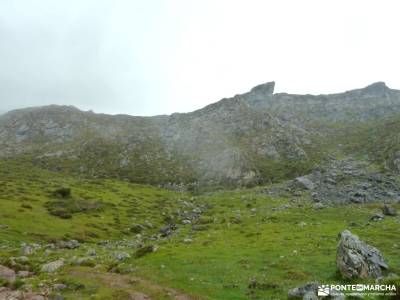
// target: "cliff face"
[[249, 138]]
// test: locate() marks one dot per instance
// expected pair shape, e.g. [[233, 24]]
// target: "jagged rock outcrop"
[[356, 259], [265, 89]]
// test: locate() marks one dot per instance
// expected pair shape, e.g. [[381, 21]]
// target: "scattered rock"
[[167, 230], [200, 227], [82, 261], [252, 283], [32, 296], [358, 197], [22, 259], [389, 210], [319, 205], [137, 228], [297, 193], [282, 207], [311, 295], [356, 259], [354, 224], [8, 294], [52, 266], [392, 276], [91, 252], [237, 219], [306, 291], [24, 274], [305, 182], [28, 250], [197, 210], [7, 273], [50, 246], [148, 224], [120, 256], [377, 217], [145, 250], [72, 244], [59, 286], [302, 224]]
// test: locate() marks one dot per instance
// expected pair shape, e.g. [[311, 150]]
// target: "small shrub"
[[137, 228], [144, 250], [16, 284], [3, 282], [65, 208], [63, 192], [205, 220], [73, 284], [26, 205], [60, 212]]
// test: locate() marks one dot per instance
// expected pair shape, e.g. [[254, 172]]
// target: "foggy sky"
[[163, 56]]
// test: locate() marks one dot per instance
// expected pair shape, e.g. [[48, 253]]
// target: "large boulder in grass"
[[356, 259]]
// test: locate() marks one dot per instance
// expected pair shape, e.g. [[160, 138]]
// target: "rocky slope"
[[255, 137]]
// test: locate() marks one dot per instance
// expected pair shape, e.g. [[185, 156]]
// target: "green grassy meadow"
[[245, 244]]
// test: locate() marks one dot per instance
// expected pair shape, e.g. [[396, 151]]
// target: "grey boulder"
[[356, 259]]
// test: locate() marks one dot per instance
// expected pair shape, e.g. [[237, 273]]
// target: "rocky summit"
[[252, 138]]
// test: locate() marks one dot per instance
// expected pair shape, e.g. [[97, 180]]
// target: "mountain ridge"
[[250, 138], [268, 87]]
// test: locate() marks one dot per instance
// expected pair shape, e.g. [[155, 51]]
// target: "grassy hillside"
[[27, 193], [240, 244]]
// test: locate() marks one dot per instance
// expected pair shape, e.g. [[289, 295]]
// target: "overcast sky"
[[147, 57]]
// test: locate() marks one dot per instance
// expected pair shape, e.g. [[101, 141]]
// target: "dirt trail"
[[130, 284]]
